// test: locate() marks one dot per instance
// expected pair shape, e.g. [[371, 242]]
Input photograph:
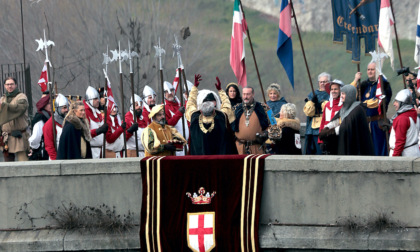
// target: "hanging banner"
[[356, 19]]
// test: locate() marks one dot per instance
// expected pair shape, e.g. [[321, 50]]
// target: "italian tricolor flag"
[[237, 49]]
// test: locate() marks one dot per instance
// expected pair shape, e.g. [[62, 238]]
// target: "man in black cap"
[[250, 124], [210, 123]]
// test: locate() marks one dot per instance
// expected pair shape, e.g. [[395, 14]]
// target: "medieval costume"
[[14, 123], [59, 102], [330, 110], [157, 135], [368, 91], [36, 141], [353, 131], [147, 91], [114, 137], [250, 119], [174, 116], [75, 138], [130, 136], [210, 133], [313, 109], [95, 120], [403, 140]]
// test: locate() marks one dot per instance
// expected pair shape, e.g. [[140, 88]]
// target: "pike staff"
[[44, 44], [105, 62], [159, 52], [177, 50], [130, 55], [117, 55]]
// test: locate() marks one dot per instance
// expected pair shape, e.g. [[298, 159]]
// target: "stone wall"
[[308, 203]]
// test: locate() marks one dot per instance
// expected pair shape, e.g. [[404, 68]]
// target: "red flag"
[[176, 81], [43, 79], [378, 94], [237, 49], [110, 96]]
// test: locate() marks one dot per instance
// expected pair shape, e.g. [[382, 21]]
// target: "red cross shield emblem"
[[200, 231]]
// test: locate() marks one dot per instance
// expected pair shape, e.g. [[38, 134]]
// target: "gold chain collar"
[[202, 128]]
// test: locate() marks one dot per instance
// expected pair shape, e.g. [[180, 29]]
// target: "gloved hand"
[[197, 79], [124, 125], [182, 109], [218, 84], [133, 128], [102, 129], [261, 137], [314, 99], [169, 147], [384, 125], [16, 133], [325, 133]]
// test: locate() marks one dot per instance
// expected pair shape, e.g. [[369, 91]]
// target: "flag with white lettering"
[[356, 19]]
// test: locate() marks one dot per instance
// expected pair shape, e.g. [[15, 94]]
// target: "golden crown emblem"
[[202, 198]]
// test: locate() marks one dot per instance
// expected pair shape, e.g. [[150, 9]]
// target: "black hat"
[[101, 92], [209, 97]]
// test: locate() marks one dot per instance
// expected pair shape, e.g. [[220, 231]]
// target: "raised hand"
[[218, 84], [197, 80]]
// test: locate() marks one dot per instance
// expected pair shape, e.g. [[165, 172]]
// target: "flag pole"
[[132, 95], [122, 97], [253, 55], [105, 117], [182, 104], [358, 84], [301, 46], [398, 43]]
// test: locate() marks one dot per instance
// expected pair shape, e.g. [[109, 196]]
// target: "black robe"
[[217, 142], [286, 145], [70, 141], [354, 136]]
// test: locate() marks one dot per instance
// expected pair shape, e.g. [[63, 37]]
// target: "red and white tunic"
[[95, 121], [403, 140], [49, 138], [114, 136], [330, 110], [130, 138]]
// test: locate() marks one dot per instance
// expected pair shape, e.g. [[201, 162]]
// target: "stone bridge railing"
[[309, 202]]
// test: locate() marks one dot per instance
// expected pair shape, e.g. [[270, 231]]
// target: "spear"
[[177, 50], [106, 61], [121, 92], [44, 44], [159, 52], [130, 55]]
